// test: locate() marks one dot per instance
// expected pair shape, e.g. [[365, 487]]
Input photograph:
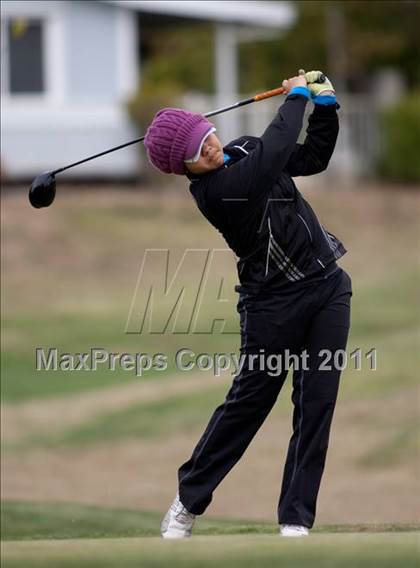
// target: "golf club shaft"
[[259, 97], [98, 155]]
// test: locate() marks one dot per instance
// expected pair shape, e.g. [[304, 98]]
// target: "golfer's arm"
[[254, 174], [314, 154], [279, 139]]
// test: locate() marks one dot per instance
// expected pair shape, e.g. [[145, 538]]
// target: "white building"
[[67, 68]]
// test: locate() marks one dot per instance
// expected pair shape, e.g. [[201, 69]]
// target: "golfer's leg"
[[264, 327], [228, 434], [314, 397]]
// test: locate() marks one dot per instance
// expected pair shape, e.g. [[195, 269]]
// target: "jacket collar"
[[237, 149]]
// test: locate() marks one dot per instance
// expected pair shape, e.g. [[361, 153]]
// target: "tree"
[[375, 34]]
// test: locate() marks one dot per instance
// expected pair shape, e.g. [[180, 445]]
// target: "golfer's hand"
[[298, 81], [325, 88]]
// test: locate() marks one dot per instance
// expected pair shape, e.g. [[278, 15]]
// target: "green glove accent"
[[316, 88]]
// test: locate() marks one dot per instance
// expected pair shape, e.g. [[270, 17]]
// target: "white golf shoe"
[[293, 530], [178, 522]]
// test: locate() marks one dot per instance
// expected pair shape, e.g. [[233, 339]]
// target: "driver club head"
[[42, 190]]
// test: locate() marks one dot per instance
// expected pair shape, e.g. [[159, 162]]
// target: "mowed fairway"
[[368, 550], [64, 535]]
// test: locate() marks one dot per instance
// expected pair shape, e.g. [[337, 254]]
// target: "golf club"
[[43, 188]]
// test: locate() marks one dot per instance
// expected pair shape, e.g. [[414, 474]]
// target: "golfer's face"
[[211, 156]]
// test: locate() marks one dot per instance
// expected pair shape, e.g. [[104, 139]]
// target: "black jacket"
[[253, 201]]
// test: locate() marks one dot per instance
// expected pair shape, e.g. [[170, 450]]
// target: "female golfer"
[[293, 297]]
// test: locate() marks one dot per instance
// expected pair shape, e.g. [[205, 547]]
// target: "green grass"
[[386, 306], [181, 413], [75, 536], [402, 444], [382, 550], [79, 333], [383, 317], [25, 520], [21, 381], [397, 357], [49, 535]]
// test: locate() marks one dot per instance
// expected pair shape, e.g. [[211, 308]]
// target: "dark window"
[[26, 73]]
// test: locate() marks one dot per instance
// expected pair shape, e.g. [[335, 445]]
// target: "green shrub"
[[142, 108], [150, 98], [400, 160]]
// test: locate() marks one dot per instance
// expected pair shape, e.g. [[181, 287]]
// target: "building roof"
[[269, 14]]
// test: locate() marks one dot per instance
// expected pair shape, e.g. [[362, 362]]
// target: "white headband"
[[196, 157]]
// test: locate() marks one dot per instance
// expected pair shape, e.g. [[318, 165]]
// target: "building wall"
[[91, 68], [91, 52]]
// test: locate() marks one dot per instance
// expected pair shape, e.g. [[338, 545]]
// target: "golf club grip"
[[280, 91], [268, 94]]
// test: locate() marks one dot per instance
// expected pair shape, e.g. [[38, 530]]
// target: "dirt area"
[[34, 241], [59, 413]]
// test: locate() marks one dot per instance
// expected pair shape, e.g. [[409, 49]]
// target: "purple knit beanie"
[[174, 136]]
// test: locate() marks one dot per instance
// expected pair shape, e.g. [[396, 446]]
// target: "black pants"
[[306, 317]]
